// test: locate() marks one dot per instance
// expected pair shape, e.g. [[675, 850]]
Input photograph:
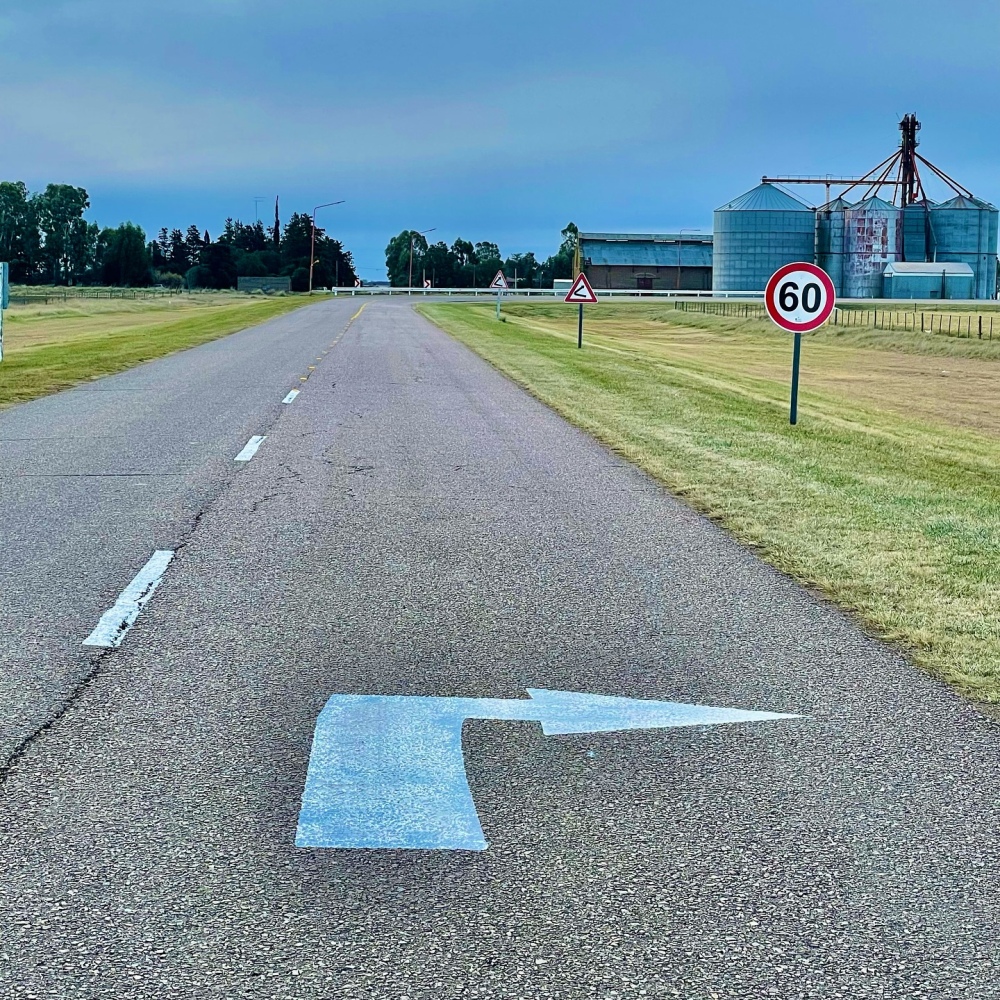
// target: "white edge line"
[[117, 620], [291, 396], [250, 448]]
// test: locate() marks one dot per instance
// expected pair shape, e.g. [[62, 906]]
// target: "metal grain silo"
[[916, 232], [873, 236], [964, 230], [830, 240], [756, 234]]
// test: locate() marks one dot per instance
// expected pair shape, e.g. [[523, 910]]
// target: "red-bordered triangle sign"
[[500, 281], [581, 291]]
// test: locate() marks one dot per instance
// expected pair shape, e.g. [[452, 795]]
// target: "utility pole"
[[312, 251]]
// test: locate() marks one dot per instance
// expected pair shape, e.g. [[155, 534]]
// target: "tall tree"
[[522, 270], [81, 249], [193, 244], [296, 241], [464, 252], [398, 255], [440, 264], [488, 262], [125, 258], [560, 264], [218, 261], [58, 209], [19, 240], [178, 255]]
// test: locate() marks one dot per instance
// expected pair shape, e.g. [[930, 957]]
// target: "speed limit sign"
[[800, 297]]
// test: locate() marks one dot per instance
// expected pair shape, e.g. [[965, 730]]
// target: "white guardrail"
[[535, 293]]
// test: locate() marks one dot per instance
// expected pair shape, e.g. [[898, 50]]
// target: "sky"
[[498, 121]]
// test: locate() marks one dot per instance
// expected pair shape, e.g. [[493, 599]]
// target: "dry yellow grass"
[[54, 346], [39, 323]]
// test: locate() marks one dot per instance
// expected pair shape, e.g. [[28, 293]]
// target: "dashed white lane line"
[[117, 620], [250, 448], [290, 398]]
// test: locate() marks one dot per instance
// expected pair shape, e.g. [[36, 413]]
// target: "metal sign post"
[[4, 298], [793, 410], [580, 292], [500, 284], [799, 298]]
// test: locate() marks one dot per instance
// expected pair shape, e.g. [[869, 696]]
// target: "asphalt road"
[[416, 525], [94, 479]]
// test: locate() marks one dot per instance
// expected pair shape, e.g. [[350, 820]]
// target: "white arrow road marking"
[[117, 620], [388, 772]]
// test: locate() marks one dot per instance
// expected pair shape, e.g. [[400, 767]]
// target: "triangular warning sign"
[[500, 281], [581, 291]]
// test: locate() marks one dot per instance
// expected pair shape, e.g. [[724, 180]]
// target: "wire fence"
[[744, 310], [964, 324], [69, 294]]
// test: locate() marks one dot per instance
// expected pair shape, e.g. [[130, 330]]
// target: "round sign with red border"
[[800, 297]]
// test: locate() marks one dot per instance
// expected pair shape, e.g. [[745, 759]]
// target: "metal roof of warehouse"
[[647, 250], [935, 269]]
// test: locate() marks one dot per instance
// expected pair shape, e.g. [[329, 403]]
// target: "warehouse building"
[[647, 262], [903, 280]]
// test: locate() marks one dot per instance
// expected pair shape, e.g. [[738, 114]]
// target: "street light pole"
[[413, 237], [312, 250]]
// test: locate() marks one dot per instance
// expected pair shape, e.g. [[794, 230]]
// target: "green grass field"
[[885, 497], [53, 346]]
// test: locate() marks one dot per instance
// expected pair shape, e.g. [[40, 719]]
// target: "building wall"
[[928, 286], [264, 284], [626, 277]]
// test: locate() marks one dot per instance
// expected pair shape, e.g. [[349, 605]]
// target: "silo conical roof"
[[837, 205], [874, 202], [960, 202], [765, 198]]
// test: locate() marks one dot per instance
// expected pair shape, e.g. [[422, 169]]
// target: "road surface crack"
[[9, 765], [99, 660]]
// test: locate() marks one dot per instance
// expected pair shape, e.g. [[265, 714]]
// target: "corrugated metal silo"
[[964, 231], [756, 234], [830, 240], [916, 232], [873, 237]]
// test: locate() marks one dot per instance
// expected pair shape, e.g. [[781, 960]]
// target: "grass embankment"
[[61, 344], [885, 497]]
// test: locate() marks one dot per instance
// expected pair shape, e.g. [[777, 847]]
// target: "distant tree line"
[[474, 265], [46, 240]]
